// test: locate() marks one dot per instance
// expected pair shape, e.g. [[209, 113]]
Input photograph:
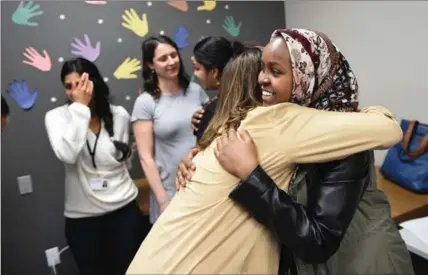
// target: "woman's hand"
[[83, 92], [196, 119], [185, 169], [237, 153]]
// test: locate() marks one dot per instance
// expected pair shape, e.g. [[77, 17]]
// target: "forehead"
[[72, 77], [164, 49], [277, 50]]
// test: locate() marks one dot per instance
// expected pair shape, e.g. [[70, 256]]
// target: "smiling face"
[[276, 77], [208, 79], [166, 61]]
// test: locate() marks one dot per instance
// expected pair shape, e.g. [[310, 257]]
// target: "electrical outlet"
[[52, 256], [25, 185]]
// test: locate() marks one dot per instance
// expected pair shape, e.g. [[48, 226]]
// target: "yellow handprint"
[[127, 69], [207, 6], [133, 22]]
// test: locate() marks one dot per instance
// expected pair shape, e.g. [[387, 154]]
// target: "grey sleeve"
[[198, 93], [144, 108]]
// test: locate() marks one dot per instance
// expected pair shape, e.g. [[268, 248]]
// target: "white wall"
[[386, 44]]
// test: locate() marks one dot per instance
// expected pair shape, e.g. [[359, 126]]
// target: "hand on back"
[[196, 119], [185, 169]]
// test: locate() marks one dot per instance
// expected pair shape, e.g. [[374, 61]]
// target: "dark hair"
[[151, 81], [214, 52], [100, 99], [5, 111], [239, 93]]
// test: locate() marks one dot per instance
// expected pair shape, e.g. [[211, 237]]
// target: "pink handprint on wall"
[[86, 50], [96, 2], [35, 59]]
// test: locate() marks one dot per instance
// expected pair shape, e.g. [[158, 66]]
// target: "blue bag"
[[406, 163]]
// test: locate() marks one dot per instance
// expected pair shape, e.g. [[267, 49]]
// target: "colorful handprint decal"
[[134, 23], [98, 3], [180, 37], [86, 50], [35, 59], [24, 13], [128, 69], [231, 27], [179, 5], [21, 93], [207, 6]]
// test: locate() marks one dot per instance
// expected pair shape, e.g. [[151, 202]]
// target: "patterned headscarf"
[[322, 77]]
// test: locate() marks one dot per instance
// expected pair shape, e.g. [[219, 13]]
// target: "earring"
[[153, 72]]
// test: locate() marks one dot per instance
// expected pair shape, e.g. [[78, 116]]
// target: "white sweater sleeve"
[[67, 135], [121, 124]]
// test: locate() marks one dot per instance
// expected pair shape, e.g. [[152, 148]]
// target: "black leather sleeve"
[[206, 118], [313, 233]]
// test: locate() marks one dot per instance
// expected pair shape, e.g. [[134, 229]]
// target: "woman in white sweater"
[[90, 136]]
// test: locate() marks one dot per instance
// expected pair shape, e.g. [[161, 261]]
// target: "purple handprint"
[[22, 95], [86, 51]]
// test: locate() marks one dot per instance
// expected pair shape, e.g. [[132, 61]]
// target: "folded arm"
[[68, 136]]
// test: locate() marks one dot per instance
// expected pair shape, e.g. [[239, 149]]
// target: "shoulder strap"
[[423, 146]]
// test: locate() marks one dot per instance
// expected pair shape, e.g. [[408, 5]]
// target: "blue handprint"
[[22, 95], [180, 37], [24, 13]]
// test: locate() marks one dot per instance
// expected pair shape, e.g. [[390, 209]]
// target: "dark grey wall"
[[33, 223]]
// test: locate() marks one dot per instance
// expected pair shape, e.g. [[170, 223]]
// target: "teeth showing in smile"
[[266, 93]]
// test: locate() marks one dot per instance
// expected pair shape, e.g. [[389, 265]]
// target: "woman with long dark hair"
[[162, 118], [210, 56], [90, 136]]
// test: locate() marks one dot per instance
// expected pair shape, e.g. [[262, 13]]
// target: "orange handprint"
[[179, 5], [43, 63]]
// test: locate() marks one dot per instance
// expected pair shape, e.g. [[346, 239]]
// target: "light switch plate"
[[25, 185]]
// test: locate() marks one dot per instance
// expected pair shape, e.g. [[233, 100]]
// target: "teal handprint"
[[24, 13], [231, 27]]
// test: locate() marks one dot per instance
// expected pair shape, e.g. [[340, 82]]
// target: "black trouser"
[[106, 245]]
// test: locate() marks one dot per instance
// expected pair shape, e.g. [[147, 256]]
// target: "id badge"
[[98, 184]]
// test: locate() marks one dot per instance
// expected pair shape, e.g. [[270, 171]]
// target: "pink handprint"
[[86, 50], [35, 59], [96, 2]]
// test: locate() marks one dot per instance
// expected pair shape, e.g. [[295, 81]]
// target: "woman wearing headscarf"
[[203, 231], [332, 219]]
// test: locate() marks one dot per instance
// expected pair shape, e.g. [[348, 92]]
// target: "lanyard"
[[92, 152]]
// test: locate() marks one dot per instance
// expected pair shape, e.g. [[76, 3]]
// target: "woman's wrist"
[[245, 172]]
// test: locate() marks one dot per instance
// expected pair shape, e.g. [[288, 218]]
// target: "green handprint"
[[231, 27], [25, 12]]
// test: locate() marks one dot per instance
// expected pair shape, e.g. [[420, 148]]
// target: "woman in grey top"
[[162, 118]]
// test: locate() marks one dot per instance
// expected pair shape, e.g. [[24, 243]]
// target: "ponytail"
[[103, 110], [237, 48], [123, 148]]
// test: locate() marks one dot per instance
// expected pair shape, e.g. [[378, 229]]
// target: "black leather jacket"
[[313, 232]]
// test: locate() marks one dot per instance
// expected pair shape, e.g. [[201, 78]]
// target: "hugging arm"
[[321, 136], [313, 232]]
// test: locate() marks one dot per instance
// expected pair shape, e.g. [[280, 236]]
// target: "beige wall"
[[386, 44]]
